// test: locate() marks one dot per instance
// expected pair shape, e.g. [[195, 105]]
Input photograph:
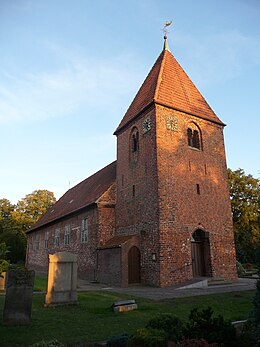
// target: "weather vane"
[[165, 32]]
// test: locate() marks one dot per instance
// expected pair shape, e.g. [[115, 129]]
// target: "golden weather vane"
[[165, 32]]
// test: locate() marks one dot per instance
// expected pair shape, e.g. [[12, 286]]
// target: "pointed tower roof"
[[168, 84]]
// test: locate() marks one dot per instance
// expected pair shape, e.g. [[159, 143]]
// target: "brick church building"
[[160, 214]]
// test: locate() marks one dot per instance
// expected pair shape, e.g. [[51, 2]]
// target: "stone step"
[[217, 281]]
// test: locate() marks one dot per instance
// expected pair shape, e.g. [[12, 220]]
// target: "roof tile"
[[168, 84], [82, 195]]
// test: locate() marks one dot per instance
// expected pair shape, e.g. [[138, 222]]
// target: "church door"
[[133, 265], [197, 253]]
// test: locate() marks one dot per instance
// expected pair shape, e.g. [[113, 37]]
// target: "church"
[[160, 214]]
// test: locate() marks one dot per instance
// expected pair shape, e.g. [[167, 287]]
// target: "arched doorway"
[[198, 253], [133, 265]]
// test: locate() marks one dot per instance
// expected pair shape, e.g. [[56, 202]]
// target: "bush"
[[240, 269], [202, 325], [170, 324], [146, 337]]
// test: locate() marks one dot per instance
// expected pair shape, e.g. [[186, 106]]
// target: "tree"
[[245, 203], [16, 219], [28, 210], [6, 209], [3, 263]]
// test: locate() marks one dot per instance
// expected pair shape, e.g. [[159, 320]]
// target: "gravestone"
[[62, 279], [124, 305], [2, 281], [18, 297]]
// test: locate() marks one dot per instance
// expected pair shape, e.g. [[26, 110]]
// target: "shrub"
[[146, 337], [240, 269], [202, 325], [170, 324]]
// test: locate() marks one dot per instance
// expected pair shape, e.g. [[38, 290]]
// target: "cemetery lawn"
[[94, 320]]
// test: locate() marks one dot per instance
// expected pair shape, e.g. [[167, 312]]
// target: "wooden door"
[[198, 261], [133, 265]]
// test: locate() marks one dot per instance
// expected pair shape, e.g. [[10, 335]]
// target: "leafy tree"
[[16, 219], [245, 203], [16, 242], [3, 263], [6, 209], [32, 207], [11, 233]]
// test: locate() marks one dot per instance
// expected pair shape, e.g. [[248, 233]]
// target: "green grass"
[[94, 320], [40, 283]]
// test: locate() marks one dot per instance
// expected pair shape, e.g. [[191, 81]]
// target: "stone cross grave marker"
[[18, 297]]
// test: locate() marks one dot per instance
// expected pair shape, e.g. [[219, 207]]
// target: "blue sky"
[[70, 69]]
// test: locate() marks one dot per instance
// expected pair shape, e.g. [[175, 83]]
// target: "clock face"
[[172, 123], [147, 125]]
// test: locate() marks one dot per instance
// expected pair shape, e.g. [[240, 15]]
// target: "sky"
[[70, 69]]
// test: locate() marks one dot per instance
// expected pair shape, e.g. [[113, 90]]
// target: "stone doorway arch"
[[134, 265]]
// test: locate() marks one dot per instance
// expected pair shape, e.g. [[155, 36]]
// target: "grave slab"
[[18, 298]]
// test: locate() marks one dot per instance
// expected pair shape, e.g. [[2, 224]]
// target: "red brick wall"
[[106, 216], [101, 224], [139, 214], [182, 209], [166, 209], [109, 266], [37, 259]]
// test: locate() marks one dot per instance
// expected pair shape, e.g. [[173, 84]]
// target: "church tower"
[[172, 187]]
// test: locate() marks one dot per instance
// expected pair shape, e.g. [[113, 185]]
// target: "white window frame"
[[57, 237], [67, 235], [31, 243], [84, 230], [46, 240], [37, 241]]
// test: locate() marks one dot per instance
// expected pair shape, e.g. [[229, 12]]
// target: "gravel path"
[[155, 293]]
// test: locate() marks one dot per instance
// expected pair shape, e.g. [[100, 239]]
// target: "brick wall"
[[183, 208], [109, 266], [177, 190], [101, 225], [137, 212]]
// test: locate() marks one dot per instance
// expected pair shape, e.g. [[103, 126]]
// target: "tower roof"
[[169, 85]]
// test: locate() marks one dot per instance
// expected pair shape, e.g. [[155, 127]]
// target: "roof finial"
[[165, 32]]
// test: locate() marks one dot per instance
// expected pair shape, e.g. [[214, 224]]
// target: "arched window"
[[194, 137], [135, 140], [189, 134]]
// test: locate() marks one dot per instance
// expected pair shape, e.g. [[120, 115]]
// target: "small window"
[[37, 241], [67, 235], [134, 140], [193, 135], [198, 188], [57, 237], [133, 190], [46, 240], [135, 143], [195, 139], [84, 230], [31, 243], [189, 133]]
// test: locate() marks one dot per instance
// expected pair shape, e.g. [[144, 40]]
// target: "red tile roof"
[[82, 195], [169, 85]]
